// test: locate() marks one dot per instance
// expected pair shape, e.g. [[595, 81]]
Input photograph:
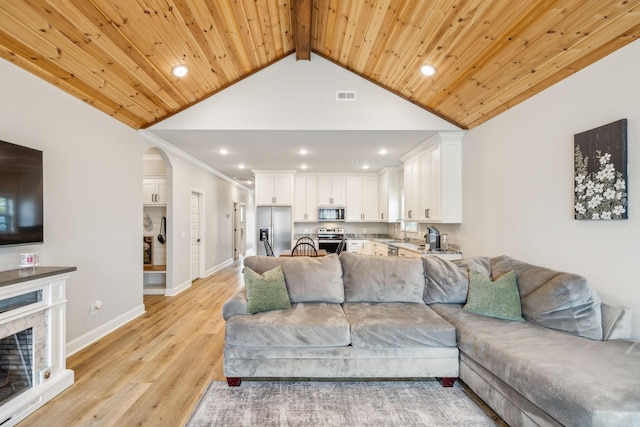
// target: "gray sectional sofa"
[[569, 363]]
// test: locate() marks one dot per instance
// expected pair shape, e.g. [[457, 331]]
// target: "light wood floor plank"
[[152, 371]]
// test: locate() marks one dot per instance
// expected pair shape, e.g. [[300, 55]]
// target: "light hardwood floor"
[[152, 371]]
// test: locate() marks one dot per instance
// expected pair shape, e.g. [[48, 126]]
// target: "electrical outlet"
[[96, 306]]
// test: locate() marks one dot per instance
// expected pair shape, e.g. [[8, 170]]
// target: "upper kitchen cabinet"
[[362, 198], [154, 191], [388, 195], [332, 190], [433, 179], [274, 188], [411, 188], [305, 207]]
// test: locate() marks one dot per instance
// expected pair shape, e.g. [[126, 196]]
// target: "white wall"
[[217, 223], [297, 95], [93, 213], [518, 181]]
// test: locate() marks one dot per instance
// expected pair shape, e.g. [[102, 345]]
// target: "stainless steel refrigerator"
[[273, 224]]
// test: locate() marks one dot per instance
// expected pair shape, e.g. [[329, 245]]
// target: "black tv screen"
[[21, 210]]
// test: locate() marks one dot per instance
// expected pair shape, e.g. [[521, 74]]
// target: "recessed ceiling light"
[[303, 151], [303, 166], [382, 151], [240, 166], [223, 151], [365, 166], [428, 70], [180, 70]]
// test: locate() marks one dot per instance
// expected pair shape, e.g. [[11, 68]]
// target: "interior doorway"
[[157, 253], [239, 230], [195, 237]]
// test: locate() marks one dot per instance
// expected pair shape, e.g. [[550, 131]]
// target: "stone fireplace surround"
[[47, 319]]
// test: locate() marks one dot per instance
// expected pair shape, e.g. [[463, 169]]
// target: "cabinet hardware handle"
[[382, 215], [427, 213], [306, 216]]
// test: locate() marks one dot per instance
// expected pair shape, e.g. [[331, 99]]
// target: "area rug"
[[337, 403]]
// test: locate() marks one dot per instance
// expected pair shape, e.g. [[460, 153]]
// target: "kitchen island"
[[411, 249]]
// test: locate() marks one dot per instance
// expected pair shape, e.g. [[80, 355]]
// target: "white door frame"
[[201, 234], [239, 230]]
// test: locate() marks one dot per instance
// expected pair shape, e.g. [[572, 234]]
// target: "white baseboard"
[[99, 332], [171, 292], [218, 267]]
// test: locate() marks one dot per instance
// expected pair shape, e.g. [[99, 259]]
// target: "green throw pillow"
[[499, 299], [267, 291]]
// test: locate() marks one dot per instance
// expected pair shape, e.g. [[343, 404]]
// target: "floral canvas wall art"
[[601, 172]]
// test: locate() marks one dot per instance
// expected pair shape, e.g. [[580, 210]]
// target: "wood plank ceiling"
[[490, 55]]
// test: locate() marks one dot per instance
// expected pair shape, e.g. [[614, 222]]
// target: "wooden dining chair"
[[268, 249], [305, 239], [304, 249]]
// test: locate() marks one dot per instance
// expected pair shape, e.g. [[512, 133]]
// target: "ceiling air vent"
[[345, 95], [245, 180]]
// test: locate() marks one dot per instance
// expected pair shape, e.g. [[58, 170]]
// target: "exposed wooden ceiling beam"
[[303, 29]]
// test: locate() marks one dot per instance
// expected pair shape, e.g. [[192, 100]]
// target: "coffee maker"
[[432, 238]]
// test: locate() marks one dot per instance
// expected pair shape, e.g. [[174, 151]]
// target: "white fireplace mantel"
[[50, 373]]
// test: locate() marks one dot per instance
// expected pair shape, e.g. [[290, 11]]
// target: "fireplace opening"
[[16, 364]]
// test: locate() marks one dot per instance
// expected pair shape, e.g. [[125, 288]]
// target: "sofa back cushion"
[[448, 281], [552, 299], [369, 278], [308, 279]]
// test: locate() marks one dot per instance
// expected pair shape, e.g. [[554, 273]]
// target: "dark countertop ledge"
[[12, 277]]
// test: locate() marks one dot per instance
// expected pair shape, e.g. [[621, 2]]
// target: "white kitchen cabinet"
[[355, 246], [388, 195], [433, 179], [332, 190], [274, 188], [411, 188], [407, 253], [305, 206], [362, 198], [154, 191], [379, 248]]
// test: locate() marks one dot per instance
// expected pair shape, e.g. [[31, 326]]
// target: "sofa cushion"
[[555, 300], [397, 325], [448, 281], [308, 279], [577, 381], [382, 279], [266, 291], [499, 299], [303, 325]]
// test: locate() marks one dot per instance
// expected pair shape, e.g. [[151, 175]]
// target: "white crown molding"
[[166, 146]]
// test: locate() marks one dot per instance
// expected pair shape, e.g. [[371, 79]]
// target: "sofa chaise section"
[[562, 366]]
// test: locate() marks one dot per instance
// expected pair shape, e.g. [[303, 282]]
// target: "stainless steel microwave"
[[331, 214]]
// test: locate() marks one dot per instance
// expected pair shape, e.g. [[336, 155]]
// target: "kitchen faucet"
[[395, 229]]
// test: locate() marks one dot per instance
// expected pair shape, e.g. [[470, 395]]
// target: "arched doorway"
[[156, 222]]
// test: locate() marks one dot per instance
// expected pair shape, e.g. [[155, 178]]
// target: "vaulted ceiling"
[[490, 55]]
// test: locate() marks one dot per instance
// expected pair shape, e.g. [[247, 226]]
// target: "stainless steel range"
[[330, 238]]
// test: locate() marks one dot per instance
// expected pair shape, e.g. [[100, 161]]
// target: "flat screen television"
[[21, 198]]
